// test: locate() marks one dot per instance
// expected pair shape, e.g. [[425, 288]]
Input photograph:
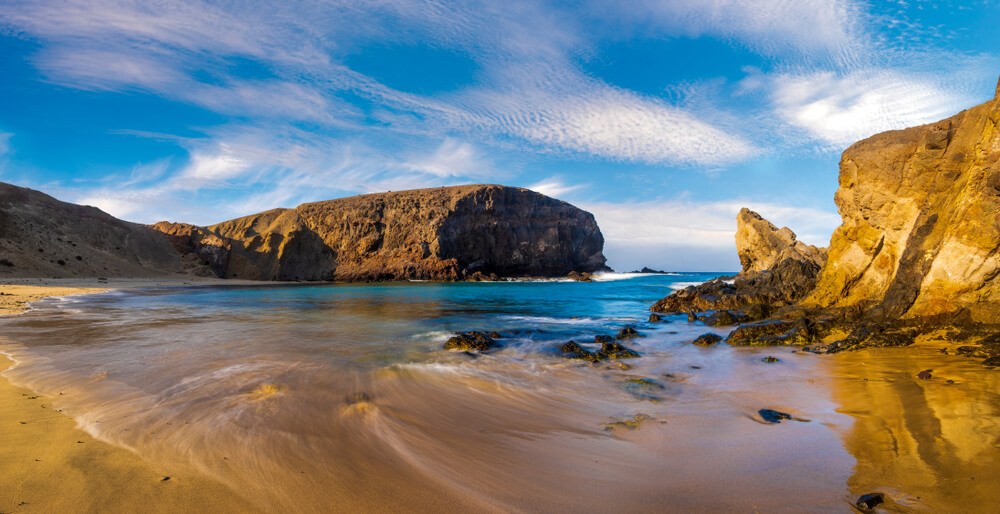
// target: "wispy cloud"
[[554, 187], [830, 29], [5, 143], [537, 92], [839, 109]]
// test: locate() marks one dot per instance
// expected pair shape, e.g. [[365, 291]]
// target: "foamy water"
[[321, 398]]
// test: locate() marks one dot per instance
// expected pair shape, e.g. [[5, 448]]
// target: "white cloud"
[[535, 92], [622, 126], [554, 187], [830, 28], [452, 159], [842, 109], [214, 167]]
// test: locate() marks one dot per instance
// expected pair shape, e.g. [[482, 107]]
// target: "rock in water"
[[477, 341], [615, 350], [870, 501], [773, 416], [761, 245], [573, 350], [628, 333], [707, 339]]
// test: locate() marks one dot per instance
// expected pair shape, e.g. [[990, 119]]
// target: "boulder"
[[707, 339], [468, 341]]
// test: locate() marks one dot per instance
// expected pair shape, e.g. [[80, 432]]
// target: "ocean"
[[341, 397]]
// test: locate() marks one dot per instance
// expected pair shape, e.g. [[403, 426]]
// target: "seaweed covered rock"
[[628, 333], [469, 341], [573, 350], [615, 350], [707, 339]]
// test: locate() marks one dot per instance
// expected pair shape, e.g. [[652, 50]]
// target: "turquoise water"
[[342, 396]]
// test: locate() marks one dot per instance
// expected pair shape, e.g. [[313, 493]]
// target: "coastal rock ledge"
[[918, 250]]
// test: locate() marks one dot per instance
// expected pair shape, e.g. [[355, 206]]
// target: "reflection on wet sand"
[[925, 443]]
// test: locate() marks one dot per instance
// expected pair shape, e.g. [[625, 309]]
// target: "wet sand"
[[47, 464], [929, 445]]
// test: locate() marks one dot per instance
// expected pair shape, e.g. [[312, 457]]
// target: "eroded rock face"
[[445, 233], [921, 230], [761, 245], [44, 237], [197, 247], [918, 249]]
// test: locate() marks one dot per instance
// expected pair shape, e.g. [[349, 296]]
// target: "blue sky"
[[662, 117]]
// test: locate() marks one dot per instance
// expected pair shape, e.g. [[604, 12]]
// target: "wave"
[[681, 285], [607, 277]]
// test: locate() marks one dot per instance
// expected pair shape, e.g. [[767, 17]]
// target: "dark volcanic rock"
[[707, 339], [615, 350], [773, 416], [478, 341], [628, 333], [788, 282], [656, 318], [643, 388], [924, 375], [869, 501], [769, 333], [573, 350]]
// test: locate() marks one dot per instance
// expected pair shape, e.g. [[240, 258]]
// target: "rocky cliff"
[[918, 249], [43, 237], [443, 233], [760, 245], [921, 222]]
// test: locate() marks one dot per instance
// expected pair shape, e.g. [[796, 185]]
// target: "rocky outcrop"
[[447, 233], [198, 247], [44, 237], [920, 233], [761, 246], [918, 249], [778, 271]]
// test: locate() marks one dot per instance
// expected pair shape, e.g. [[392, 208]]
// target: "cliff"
[[443, 233], [918, 249], [921, 229], [44, 237]]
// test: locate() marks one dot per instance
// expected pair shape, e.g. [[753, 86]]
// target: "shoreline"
[[49, 464]]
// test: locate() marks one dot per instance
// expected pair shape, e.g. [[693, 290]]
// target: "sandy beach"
[[47, 464]]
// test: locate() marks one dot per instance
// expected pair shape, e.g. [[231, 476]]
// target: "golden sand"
[[48, 465]]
